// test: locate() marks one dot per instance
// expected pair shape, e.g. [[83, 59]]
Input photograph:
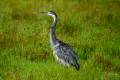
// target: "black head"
[[50, 13]]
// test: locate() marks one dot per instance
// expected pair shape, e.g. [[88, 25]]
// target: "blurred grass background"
[[92, 27]]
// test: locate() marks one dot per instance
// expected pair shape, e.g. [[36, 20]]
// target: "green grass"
[[92, 27]]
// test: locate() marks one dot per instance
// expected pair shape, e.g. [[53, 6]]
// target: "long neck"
[[53, 38]]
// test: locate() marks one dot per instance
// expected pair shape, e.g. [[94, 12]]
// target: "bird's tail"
[[77, 66]]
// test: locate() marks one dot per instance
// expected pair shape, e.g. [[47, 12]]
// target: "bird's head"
[[50, 13]]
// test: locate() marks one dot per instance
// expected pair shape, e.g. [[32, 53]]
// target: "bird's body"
[[65, 55], [63, 52]]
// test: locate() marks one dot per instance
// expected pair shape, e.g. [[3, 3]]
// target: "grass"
[[92, 27]]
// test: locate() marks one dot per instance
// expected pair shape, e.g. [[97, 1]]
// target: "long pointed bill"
[[43, 12]]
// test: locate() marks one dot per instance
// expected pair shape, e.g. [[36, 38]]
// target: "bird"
[[63, 52]]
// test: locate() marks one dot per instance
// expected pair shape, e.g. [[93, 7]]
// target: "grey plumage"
[[66, 55], [63, 52]]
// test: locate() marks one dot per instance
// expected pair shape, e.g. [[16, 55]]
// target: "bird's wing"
[[65, 52]]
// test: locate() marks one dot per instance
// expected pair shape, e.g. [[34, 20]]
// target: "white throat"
[[53, 16]]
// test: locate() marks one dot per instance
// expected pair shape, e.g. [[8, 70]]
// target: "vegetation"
[[92, 27]]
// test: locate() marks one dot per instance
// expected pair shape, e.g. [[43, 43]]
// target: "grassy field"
[[92, 27]]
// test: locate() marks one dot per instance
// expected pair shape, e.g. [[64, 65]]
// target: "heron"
[[63, 52]]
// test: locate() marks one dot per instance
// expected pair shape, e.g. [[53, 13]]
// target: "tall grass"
[[92, 27]]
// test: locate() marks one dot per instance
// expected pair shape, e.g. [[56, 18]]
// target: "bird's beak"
[[44, 12]]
